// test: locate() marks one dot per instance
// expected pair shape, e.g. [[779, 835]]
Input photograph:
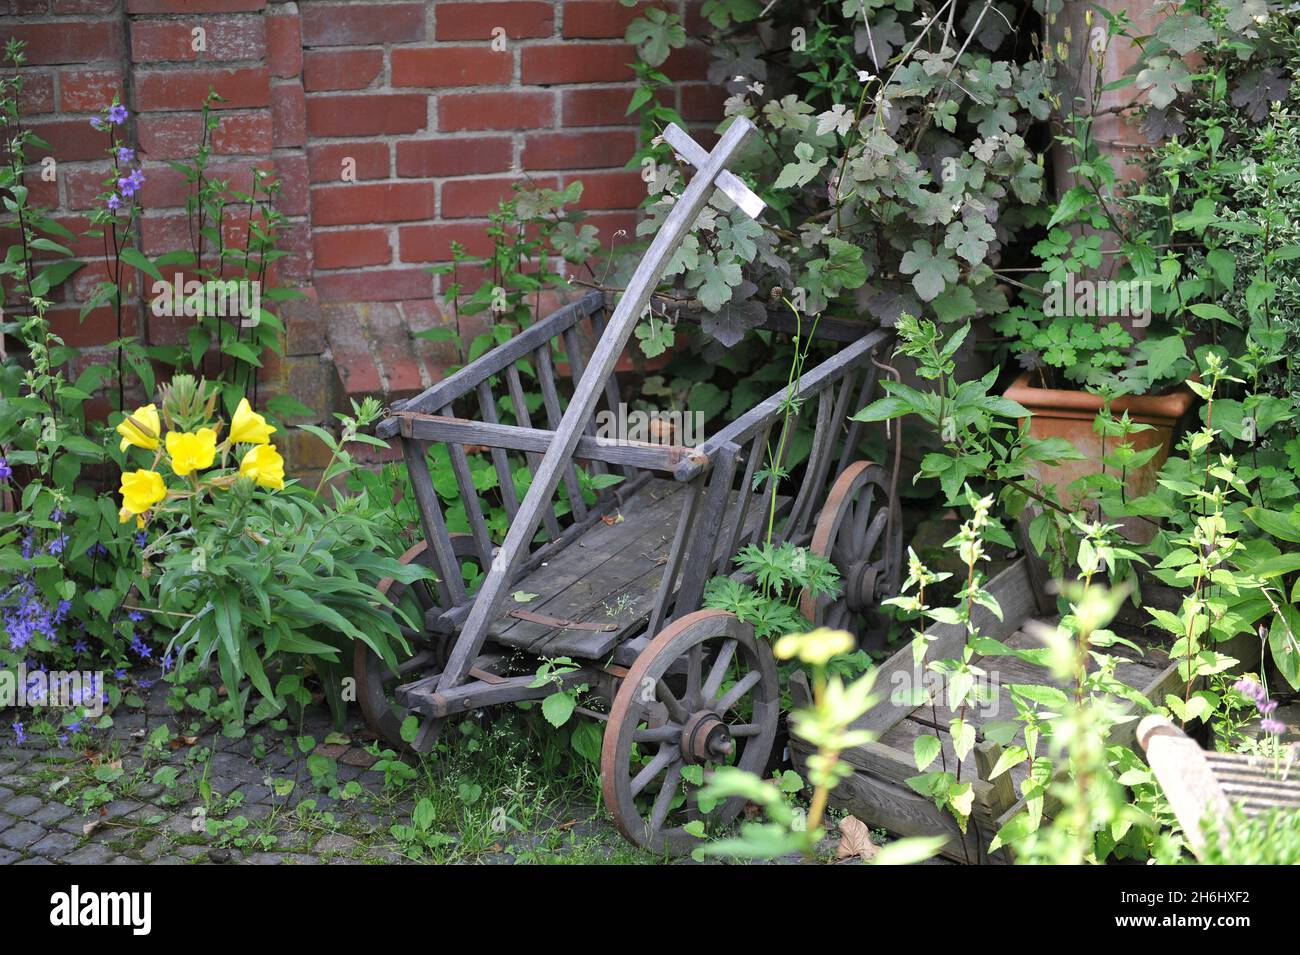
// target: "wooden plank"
[[519, 402], [461, 383], [658, 457], [450, 585], [1010, 588], [677, 225], [769, 410], [554, 415], [505, 476], [469, 498]]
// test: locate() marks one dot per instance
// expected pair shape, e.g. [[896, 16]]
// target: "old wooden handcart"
[[615, 583]]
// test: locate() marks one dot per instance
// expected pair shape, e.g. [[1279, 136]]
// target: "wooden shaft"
[[626, 315]]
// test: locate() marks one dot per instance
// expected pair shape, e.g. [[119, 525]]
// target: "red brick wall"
[[435, 122]]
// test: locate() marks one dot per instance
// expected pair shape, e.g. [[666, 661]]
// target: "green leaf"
[[925, 750]]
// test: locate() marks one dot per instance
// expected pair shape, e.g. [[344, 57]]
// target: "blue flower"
[[117, 114], [6, 472], [125, 154], [21, 737]]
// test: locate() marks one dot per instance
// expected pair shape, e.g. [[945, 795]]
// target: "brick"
[[368, 114], [374, 285], [98, 328], [283, 42], [288, 114], [451, 66], [295, 267], [584, 150], [475, 21], [517, 109], [70, 140], [83, 184], [294, 197], [702, 102], [351, 249], [242, 134], [232, 38], [164, 233], [187, 88], [88, 91], [341, 69], [303, 329], [576, 63], [610, 190], [329, 24], [475, 198], [64, 7], [370, 160], [599, 106], [194, 6], [165, 186], [453, 157], [38, 93], [598, 19], [432, 243], [169, 135], [353, 203], [67, 41], [690, 62]]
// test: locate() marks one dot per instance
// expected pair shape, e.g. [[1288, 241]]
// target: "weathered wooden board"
[[610, 575]]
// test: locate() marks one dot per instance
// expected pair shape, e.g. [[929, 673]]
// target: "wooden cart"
[[614, 581]]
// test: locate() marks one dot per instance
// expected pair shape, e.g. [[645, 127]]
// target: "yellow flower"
[[249, 427], [141, 428], [191, 452], [817, 647], [264, 465], [140, 491]]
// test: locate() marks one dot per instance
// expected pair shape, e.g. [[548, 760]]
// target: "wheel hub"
[[705, 738], [860, 586]]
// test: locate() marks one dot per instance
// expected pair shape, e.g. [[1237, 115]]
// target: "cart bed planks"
[[877, 792]]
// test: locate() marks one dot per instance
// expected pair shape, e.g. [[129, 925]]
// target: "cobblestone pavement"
[[129, 801]]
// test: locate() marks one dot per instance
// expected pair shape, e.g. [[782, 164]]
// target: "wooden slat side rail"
[[450, 586], [679, 222], [655, 457], [577, 362], [554, 415], [470, 500], [825, 375], [505, 476], [1010, 588], [519, 401], [1189, 784], [462, 382], [613, 396]]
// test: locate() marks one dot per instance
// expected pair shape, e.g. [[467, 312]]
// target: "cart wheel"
[[376, 680], [703, 693], [861, 530]]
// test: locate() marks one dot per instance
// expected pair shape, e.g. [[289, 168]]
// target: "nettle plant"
[[894, 156]]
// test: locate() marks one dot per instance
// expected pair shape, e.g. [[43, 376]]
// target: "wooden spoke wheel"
[[703, 694], [861, 530], [376, 681]]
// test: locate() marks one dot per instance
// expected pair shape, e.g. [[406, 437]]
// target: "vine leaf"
[[930, 269], [1184, 33], [1257, 89], [729, 324], [802, 170], [1164, 78]]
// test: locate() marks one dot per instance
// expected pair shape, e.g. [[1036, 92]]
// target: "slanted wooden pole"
[[630, 308]]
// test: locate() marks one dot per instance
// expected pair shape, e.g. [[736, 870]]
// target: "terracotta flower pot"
[[1068, 414]]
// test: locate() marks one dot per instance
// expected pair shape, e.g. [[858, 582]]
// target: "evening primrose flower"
[[191, 452], [264, 465], [249, 427], [140, 491], [816, 648], [141, 428]]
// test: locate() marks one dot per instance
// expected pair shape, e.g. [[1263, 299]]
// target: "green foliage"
[[892, 153]]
